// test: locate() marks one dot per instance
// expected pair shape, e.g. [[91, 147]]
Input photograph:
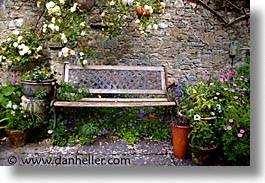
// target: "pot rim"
[[26, 81]]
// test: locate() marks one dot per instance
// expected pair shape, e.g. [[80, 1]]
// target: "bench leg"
[[55, 117]]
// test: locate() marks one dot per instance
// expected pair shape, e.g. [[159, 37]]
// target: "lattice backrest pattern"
[[118, 79]]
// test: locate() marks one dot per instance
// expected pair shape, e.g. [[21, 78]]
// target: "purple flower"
[[14, 83], [229, 128]]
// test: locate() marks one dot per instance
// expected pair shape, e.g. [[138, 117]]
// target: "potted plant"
[[39, 79], [180, 125], [203, 111], [19, 122]]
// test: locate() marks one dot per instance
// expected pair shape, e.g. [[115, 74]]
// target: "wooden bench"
[[142, 86]]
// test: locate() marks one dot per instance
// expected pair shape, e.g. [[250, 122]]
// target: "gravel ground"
[[103, 152]]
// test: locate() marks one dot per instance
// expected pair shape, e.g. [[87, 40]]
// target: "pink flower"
[[238, 125], [231, 90], [246, 80], [211, 84], [236, 97], [242, 131], [231, 120], [229, 128], [239, 135], [225, 89], [215, 98]]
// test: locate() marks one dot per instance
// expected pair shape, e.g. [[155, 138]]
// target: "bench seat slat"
[[111, 104], [123, 100]]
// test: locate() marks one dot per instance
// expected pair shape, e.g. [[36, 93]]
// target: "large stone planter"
[[31, 88]]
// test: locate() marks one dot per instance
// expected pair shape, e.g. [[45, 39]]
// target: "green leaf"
[[7, 91]]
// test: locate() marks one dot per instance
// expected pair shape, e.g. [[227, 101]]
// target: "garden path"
[[145, 153]]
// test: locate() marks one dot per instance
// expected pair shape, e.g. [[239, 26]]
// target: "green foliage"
[[42, 94], [202, 134], [132, 124], [71, 92]]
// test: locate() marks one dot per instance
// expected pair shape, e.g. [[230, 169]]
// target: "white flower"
[[15, 32], [82, 24], [162, 4], [13, 113], [15, 107], [197, 117], [212, 113], [50, 131], [63, 38], [83, 33], [72, 52], [44, 29], [19, 38], [85, 62], [155, 26], [130, 2], [137, 21], [218, 106], [112, 3], [53, 20], [50, 5], [148, 8], [39, 48], [9, 62], [73, 9], [81, 54], [15, 44], [9, 104], [62, 1]]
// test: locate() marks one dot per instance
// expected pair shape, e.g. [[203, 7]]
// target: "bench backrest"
[[118, 79]]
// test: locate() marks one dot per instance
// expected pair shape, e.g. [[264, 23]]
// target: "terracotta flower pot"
[[147, 13], [17, 138], [180, 140], [139, 12], [151, 117]]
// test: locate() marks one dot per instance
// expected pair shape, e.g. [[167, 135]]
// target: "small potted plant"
[[180, 125], [39, 79], [19, 122]]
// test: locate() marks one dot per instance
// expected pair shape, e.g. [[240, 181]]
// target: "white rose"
[[19, 38], [73, 8], [15, 44], [16, 32], [53, 20], [50, 5], [85, 62]]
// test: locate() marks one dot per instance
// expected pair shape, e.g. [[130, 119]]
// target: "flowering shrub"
[[67, 24], [219, 111], [21, 47], [40, 73], [234, 97]]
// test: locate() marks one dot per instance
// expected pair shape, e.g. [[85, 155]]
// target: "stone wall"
[[190, 39]]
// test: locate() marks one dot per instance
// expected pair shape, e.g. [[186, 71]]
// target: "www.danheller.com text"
[[75, 160]]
